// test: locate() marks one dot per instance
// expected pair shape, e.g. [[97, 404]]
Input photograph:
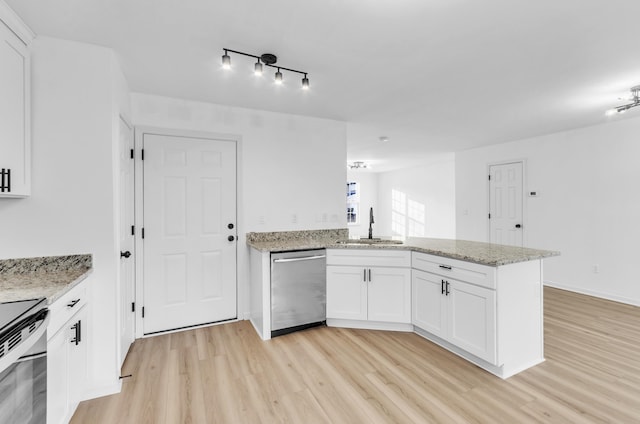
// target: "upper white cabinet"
[[15, 106], [368, 286]]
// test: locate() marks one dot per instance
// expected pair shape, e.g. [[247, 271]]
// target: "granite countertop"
[[464, 250], [50, 276]]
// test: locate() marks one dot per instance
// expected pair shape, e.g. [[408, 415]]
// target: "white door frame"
[[119, 198], [139, 210], [524, 195]]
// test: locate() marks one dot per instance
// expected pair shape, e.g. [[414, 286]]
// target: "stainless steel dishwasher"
[[298, 290]]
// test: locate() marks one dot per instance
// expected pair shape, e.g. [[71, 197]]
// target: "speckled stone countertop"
[[50, 276], [469, 251], [283, 241]]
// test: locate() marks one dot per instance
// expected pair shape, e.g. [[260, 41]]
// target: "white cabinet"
[[461, 313], [67, 354], [358, 290], [15, 122], [491, 316]]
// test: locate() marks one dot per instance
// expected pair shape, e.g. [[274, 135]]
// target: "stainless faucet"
[[371, 221]]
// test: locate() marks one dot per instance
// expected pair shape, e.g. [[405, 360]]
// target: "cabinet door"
[[14, 115], [58, 377], [429, 310], [77, 357], [389, 295], [346, 293], [472, 319]]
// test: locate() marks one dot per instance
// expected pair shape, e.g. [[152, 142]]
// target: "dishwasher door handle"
[[303, 258]]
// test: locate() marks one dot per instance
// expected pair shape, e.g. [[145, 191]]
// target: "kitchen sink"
[[376, 241]]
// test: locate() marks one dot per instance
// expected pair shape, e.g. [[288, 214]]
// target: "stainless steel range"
[[23, 361]]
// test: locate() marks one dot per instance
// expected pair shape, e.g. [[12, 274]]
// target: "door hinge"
[[131, 153], [133, 306], [142, 232], [133, 230], [142, 154], [143, 312]]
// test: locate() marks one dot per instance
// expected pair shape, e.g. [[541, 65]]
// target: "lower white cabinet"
[[67, 355], [361, 292], [462, 314]]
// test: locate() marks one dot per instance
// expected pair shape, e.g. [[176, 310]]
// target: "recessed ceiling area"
[[433, 76]]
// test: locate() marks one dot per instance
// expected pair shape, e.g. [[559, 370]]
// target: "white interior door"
[[189, 192], [127, 219], [505, 204]]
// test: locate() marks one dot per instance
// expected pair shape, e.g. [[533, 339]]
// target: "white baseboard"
[[594, 293], [369, 325]]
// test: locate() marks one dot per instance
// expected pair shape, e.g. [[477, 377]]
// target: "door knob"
[[230, 226], [231, 238], [518, 226], [125, 254]]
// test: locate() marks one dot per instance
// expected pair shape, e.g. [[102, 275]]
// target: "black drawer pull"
[[441, 286], [445, 267], [73, 303]]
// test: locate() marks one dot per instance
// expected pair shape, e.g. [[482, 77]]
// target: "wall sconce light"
[[635, 101], [267, 59]]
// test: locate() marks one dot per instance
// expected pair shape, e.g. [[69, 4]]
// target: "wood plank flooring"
[[226, 374]]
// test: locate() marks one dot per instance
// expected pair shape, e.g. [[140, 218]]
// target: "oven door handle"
[[10, 358]]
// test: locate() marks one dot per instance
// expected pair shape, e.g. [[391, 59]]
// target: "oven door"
[[23, 382]]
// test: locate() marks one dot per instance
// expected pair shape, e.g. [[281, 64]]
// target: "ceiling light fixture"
[[635, 101], [357, 165], [267, 59], [226, 61]]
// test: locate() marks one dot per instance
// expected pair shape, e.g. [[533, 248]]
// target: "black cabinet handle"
[[5, 180], [369, 274], [125, 254], [441, 286], [231, 238], [230, 226], [445, 267], [73, 303], [518, 226], [447, 290], [78, 330], [364, 275]]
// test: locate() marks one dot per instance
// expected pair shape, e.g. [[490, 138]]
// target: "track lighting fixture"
[[267, 59], [635, 101], [226, 61]]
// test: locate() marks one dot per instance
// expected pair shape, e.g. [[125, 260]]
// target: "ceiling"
[[432, 75]]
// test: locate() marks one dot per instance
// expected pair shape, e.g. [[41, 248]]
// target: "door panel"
[[429, 304], [346, 293], [472, 319], [506, 203], [390, 295], [189, 199]]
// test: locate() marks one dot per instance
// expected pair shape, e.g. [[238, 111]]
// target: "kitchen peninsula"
[[481, 301]]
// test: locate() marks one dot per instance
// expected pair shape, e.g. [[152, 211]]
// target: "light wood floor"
[[226, 374]]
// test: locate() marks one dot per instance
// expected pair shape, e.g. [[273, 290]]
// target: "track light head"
[[226, 61], [257, 69], [278, 77], [305, 82]]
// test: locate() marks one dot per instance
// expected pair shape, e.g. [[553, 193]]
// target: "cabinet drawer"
[[477, 274], [369, 257], [64, 308]]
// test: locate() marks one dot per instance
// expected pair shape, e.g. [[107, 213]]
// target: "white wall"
[[588, 205], [430, 189], [287, 165], [368, 182], [71, 209]]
